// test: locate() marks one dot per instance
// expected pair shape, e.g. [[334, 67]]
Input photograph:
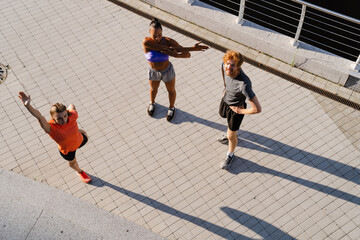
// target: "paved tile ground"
[[297, 169]]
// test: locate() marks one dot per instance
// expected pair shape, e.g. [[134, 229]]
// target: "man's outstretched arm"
[[43, 123]]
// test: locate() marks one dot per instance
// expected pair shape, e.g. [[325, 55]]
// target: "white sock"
[[230, 154]]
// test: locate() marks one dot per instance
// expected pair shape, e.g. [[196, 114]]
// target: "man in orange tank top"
[[63, 129]]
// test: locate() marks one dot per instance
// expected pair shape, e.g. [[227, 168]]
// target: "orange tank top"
[[67, 136]]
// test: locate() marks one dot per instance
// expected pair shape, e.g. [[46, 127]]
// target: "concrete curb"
[[32, 210]]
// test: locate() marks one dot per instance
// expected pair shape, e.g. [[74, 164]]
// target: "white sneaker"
[[223, 139], [170, 114], [151, 109]]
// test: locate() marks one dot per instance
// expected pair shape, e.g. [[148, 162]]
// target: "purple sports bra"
[[156, 56]]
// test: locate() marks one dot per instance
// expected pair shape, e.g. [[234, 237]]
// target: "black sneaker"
[[151, 109], [170, 114], [223, 139], [227, 162]]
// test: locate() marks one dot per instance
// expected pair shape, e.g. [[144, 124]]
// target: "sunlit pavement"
[[296, 174]]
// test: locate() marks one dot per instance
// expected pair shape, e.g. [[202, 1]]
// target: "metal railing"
[[334, 21], [305, 22]]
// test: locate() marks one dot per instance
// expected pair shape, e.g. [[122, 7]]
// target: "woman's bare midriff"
[[159, 66]]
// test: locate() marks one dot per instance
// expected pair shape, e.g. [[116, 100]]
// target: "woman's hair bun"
[[155, 23]]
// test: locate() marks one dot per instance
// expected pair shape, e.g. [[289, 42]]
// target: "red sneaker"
[[84, 177]]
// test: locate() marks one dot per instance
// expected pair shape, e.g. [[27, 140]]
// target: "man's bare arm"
[[255, 107]]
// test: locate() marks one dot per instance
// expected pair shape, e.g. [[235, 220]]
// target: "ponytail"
[[155, 23]]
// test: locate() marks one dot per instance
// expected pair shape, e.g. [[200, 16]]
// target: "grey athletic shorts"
[[165, 75]]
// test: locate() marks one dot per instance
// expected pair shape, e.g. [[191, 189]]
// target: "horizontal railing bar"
[[224, 5], [342, 36], [275, 6], [321, 9], [272, 18], [310, 40], [341, 29], [235, 3], [330, 39], [285, 30], [274, 11], [333, 20], [297, 7]]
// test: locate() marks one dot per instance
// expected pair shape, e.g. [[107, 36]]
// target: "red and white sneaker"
[[84, 177]]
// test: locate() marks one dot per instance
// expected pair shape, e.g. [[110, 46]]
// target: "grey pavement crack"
[[34, 224]]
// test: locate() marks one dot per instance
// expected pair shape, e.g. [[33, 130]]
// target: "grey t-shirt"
[[237, 89]]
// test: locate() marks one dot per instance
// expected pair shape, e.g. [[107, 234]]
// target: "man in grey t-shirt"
[[233, 104]]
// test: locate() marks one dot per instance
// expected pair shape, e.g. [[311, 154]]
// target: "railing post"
[[241, 12], [356, 65], [295, 41]]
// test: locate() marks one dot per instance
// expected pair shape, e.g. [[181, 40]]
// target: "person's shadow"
[[261, 227], [241, 165], [261, 143], [214, 228], [182, 116]]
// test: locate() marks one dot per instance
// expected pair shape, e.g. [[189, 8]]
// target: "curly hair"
[[233, 55], [57, 108]]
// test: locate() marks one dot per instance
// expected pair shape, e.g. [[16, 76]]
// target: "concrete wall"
[[305, 57]]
